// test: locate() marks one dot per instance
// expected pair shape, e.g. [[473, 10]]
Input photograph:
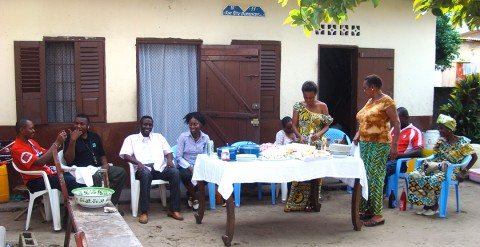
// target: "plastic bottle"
[[391, 200], [403, 201], [324, 143], [309, 137]]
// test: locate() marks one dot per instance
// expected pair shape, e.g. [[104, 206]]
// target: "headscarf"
[[447, 121]]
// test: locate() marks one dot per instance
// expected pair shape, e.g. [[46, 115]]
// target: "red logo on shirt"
[[26, 157]]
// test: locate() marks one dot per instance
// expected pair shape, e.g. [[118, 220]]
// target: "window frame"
[[30, 78]]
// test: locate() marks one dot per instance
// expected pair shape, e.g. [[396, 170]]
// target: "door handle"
[[255, 122]]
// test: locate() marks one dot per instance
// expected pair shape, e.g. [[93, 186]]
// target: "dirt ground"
[[258, 223]]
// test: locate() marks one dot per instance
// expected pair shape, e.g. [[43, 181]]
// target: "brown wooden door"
[[270, 60], [230, 93], [374, 61]]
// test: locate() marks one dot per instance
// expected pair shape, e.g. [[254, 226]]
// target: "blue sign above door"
[[235, 10]]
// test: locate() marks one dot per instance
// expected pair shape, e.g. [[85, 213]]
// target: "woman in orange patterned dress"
[[376, 145]]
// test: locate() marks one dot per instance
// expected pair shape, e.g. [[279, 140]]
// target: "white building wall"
[[120, 22]]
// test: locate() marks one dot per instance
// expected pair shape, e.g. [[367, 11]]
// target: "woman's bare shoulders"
[[321, 107]]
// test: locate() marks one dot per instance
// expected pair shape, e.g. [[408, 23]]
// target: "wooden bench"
[[92, 226]]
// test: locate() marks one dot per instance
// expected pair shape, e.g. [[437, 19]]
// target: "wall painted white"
[[391, 25]]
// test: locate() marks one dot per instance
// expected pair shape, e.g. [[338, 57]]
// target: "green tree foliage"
[[464, 106], [447, 43], [311, 13], [460, 11]]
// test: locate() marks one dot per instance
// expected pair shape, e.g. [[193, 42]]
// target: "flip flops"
[[372, 223]]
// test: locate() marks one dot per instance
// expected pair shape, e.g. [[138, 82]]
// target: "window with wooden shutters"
[[56, 79]]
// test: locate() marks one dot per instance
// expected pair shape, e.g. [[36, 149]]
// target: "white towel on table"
[[84, 175]]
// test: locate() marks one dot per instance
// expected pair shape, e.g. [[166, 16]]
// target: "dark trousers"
[[172, 175], [38, 184], [116, 179]]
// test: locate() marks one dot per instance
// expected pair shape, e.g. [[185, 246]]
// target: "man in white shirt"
[[152, 157]]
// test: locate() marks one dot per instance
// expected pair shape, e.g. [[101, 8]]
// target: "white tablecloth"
[[225, 174]]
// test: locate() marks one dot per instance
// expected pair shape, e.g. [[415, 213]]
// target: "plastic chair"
[[135, 187], [335, 134], [51, 200], [443, 198], [237, 186], [393, 180]]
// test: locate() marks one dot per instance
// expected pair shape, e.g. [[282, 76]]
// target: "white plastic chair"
[[283, 187], [51, 200], [135, 190]]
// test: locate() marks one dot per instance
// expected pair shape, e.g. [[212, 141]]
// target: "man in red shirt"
[[410, 143], [28, 155]]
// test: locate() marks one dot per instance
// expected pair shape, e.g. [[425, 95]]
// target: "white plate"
[[306, 159], [339, 156], [247, 159], [246, 156], [265, 159], [340, 153]]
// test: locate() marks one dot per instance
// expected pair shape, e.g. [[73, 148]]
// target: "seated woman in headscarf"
[[426, 180]]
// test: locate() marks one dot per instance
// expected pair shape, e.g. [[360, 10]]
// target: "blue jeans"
[[172, 175]]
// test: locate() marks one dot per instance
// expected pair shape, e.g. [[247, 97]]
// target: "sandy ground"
[[258, 223]]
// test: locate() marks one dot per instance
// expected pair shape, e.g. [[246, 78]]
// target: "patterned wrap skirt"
[[424, 188], [374, 156]]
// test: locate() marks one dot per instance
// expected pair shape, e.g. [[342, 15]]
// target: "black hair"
[[83, 115], [145, 117], [285, 121], [309, 86], [402, 112], [197, 115], [374, 80], [21, 123]]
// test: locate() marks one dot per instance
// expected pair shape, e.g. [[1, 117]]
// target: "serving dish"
[[92, 197]]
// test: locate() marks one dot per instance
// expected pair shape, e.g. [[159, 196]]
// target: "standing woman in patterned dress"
[[376, 145], [309, 115]]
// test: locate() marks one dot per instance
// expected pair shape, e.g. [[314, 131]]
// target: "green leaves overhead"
[[459, 11], [311, 13]]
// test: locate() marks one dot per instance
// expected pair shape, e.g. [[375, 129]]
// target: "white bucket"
[[429, 139]]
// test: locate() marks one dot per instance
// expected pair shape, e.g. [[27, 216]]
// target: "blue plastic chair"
[[335, 134], [443, 199], [393, 180], [174, 150], [237, 186]]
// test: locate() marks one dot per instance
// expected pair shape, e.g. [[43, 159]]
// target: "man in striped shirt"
[[410, 143]]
